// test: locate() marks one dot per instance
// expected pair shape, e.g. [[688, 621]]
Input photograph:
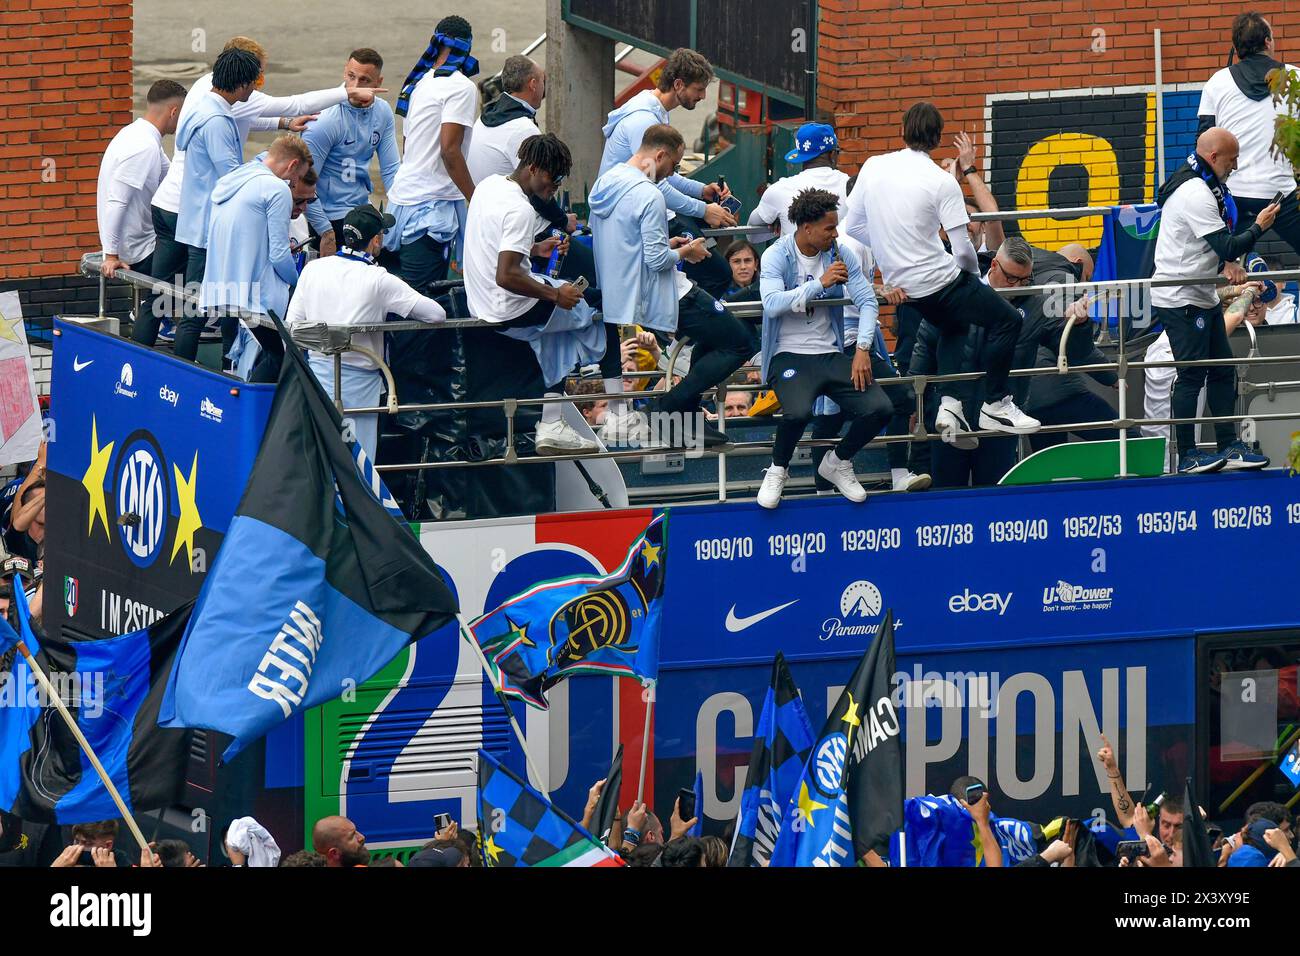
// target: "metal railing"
[[336, 339]]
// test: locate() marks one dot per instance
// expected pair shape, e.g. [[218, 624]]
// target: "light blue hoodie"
[[213, 147], [623, 131], [785, 293], [250, 266], [634, 266], [342, 141]]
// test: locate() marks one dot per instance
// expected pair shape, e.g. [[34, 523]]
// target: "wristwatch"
[[970, 169]]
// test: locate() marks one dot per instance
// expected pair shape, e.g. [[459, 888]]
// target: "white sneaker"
[[1004, 416], [559, 438], [628, 428], [951, 425], [840, 474], [769, 494], [911, 482]]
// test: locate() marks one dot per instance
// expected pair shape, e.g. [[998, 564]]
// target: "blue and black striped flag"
[[849, 799], [113, 688], [781, 748], [315, 587]]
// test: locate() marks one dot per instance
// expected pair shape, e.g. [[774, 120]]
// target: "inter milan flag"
[[315, 587], [1197, 849], [781, 747], [599, 625], [849, 799], [939, 831], [607, 804], [113, 687], [517, 826]]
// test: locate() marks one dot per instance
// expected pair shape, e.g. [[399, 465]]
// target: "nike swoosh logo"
[[78, 366], [349, 142], [737, 624]]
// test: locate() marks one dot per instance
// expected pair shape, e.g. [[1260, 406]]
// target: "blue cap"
[[812, 140], [1255, 263]]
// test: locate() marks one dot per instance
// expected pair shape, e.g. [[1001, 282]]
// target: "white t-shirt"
[[494, 150], [811, 332], [133, 166], [500, 220], [339, 291], [1188, 216], [904, 198], [775, 203], [260, 111], [1259, 175], [436, 100]]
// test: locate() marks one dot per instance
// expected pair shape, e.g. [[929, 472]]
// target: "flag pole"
[[645, 740], [54, 697], [505, 705]]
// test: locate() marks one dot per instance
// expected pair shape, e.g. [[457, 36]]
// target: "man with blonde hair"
[[250, 266]]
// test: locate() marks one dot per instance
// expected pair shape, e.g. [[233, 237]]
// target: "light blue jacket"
[[249, 266], [213, 147], [342, 141], [785, 292], [623, 131], [629, 227]]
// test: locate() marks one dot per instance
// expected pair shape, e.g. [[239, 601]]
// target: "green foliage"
[[1285, 86]]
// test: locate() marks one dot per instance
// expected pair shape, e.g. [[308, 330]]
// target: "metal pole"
[[645, 740], [1160, 114], [810, 69], [1121, 360], [101, 294], [720, 405]]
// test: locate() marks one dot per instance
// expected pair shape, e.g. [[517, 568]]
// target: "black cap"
[[448, 856], [362, 224]]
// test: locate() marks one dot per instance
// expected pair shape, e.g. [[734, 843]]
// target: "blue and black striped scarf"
[[458, 59]]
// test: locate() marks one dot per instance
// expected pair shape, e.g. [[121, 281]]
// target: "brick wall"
[[1059, 93], [65, 90]]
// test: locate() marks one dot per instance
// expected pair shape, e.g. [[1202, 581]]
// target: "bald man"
[[1199, 238], [340, 842]]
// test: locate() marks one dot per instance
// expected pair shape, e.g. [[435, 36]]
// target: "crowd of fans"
[[483, 188]]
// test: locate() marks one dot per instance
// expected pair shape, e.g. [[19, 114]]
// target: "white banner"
[[20, 415]]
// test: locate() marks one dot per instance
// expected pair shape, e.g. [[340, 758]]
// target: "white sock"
[[614, 386], [897, 474], [551, 410]]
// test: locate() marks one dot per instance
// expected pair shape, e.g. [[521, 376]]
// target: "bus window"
[[1252, 720]]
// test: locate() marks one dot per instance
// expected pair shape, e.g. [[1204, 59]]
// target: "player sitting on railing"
[[803, 344]]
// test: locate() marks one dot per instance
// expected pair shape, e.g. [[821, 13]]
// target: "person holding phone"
[[551, 316], [972, 794], [804, 354], [634, 254], [1237, 99]]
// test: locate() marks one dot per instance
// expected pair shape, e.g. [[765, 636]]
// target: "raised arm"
[[1119, 795]]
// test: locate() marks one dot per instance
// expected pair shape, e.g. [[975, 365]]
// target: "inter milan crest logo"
[[596, 620]]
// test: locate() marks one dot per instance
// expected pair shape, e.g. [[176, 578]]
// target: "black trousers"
[[903, 401], [1286, 225], [424, 261], [712, 274], [1083, 407], [167, 262], [964, 302], [722, 344], [1197, 332], [266, 368], [798, 381], [951, 467]]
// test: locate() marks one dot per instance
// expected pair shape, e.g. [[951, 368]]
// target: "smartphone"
[[441, 821], [731, 204], [685, 803], [1277, 200], [86, 859], [1132, 849], [974, 792], [580, 284]]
